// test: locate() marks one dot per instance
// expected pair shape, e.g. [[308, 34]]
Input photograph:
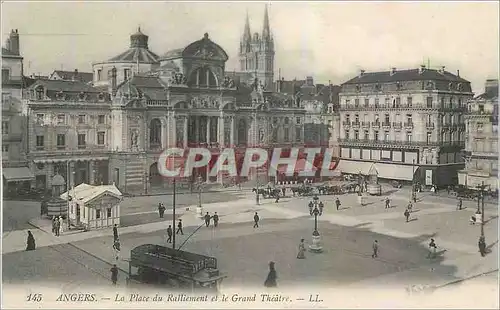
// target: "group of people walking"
[[214, 217], [57, 225]]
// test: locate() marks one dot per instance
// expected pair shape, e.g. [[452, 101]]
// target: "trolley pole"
[[173, 218]]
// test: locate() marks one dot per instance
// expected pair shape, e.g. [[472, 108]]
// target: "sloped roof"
[[65, 85], [84, 193], [136, 54], [74, 75], [404, 75]]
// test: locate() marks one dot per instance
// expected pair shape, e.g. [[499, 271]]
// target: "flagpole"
[[173, 218]]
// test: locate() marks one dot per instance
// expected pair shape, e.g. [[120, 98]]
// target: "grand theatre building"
[[184, 98]]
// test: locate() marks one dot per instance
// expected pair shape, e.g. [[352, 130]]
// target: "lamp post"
[[317, 210], [480, 201], [412, 180], [199, 184]]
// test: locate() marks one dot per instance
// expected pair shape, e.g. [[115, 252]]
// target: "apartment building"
[[408, 125], [481, 148]]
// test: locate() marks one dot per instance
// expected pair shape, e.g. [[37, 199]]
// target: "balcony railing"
[[356, 124], [396, 142], [82, 146], [376, 124], [386, 124], [397, 125], [365, 124], [346, 123], [409, 125], [429, 125]]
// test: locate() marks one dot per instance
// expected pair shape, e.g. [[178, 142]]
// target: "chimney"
[[393, 71], [14, 42], [421, 69], [441, 70], [361, 72], [75, 75], [458, 73], [112, 82]]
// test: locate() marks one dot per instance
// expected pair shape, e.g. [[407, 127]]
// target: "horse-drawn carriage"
[[267, 191], [337, 187]]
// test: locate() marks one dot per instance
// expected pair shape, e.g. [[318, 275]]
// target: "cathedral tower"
[[257, 53]]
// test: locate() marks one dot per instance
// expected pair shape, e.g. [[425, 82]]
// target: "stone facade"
[[482, 140], [408, 117]]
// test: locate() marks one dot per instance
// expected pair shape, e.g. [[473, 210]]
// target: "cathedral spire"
[[266, 32], [247, 35]]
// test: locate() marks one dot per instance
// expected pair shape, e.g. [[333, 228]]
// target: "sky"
[[330, 41]]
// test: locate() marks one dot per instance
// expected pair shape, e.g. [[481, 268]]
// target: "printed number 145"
[[34, 297]]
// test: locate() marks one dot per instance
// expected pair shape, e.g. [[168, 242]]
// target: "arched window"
[[242, 132], [203, 77], [155, 133]]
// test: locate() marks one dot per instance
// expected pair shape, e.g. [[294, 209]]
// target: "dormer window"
[[378, 87], [60, 95], [81, 96], [101, 97], [430, 85], [450, 86], [39, 93], [459, 86], [399, 86], [358, 88]]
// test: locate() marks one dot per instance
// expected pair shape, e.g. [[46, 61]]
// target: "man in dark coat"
[[216, 219], [114, 274], [256, 220], [337, 203], [272, 276], [169, 234], [207, 219], [58, 226], [375, 249], [30, 243], [407, 215], [161, 209], [387, 203], [115, 232], [179, 228], [459, 204]]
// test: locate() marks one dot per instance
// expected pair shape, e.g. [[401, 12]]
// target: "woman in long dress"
[[302, 250], [30, 243], [271, 276], [61, 225]]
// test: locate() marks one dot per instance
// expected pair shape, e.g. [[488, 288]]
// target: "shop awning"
[[17, 174], [395, 172], [354, 167]]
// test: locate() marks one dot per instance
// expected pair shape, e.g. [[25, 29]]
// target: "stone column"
[[173, 131], [208, 129], [220, 130], [232, 131], [165, 131], [185, 132], [72, 174], [49, 167], [197, 129], [92, 172]]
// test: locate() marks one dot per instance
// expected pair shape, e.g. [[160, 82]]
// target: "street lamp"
[[316, 209], [480, 201], [199, 184]]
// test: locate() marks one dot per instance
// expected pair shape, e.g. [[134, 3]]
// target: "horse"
[[261, 191]]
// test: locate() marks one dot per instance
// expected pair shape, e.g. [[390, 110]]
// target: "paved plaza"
[[243, 252]]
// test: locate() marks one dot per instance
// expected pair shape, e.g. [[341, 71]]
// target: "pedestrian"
[[257, 197], [277, 193], [482, 246], [169, 234], [472, 220], [256, 220], [161, 209], [407, 215], [54, 225], [30, 243], [410, 206], [179, 227], [311, 205], [283, 191], [459, 204], [216, 219], [432, 249], [58, 226], [414, 197], [61, 225], [116, 248], [387, 203], [375, 249], [337, 203], [271, 276], [115, 232], [207, 219], [114, 274], [302, 250]]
